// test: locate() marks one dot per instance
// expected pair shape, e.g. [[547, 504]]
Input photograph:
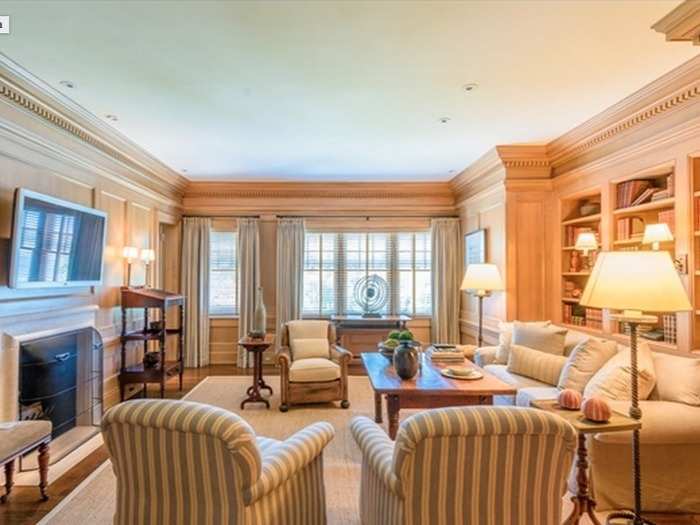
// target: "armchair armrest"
[[283, 356], [377, 450], [283, 461], [486, 355], [340, 354]]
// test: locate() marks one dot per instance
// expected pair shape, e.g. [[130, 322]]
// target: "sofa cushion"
[[518, 381], [548, 339], [613, 380], [535, 364], [309, 348], [663, 423], [677, 379], [585, 360], [573, 339], [312, 370], [505, 336], [526, 396]]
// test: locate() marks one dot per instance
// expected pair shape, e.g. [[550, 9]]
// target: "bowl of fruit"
[[396, 337]]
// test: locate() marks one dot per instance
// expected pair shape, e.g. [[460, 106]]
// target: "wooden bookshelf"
[[694, 256], [649, 206], [580, 213]]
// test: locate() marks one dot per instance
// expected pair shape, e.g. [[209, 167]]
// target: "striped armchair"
[[179, 462], [466, 465]]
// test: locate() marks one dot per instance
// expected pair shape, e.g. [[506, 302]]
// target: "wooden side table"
[[257, 347], [584, 504]]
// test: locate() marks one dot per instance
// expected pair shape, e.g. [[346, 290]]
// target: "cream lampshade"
[[148, 255], [130, 253], [655, 234], [482, 278], [586, 242], [639, 281]]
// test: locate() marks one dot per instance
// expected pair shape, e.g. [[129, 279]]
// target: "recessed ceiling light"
[[67, 83], [471, 86], [444, 120], [451, 171], [111, 117], [184, 170]]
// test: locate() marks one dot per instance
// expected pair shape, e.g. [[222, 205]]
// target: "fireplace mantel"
[[16, 329]]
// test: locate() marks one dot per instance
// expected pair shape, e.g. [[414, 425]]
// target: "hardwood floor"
[[25, 508]]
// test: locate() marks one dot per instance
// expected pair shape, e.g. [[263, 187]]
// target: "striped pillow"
[[542, 366]]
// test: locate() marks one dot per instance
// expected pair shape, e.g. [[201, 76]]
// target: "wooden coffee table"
[[428, 389]]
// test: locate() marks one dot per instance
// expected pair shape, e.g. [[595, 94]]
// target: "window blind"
[[223, 272]]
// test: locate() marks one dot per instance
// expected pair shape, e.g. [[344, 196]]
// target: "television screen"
[[55, 242]]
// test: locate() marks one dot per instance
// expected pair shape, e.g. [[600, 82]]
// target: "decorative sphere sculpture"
[[371, 293], [570, 399], [596, 409]]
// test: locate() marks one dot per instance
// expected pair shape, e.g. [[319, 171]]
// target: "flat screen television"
[[55, 243]]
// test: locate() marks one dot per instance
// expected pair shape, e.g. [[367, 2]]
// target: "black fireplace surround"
[[60, 379]]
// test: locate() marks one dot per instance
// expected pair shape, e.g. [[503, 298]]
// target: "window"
[[335, 264], [223, 273]]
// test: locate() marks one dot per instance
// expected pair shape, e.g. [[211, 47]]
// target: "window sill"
[[223, 316]]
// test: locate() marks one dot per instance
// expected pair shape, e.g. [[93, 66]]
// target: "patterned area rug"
[[93, 501]]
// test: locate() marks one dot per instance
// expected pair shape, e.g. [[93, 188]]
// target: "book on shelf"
[[645, 196], [628, 192], [660, 195], [668, 217], [572, 233], [629, 228]]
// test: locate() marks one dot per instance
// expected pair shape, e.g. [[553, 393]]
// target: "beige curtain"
[[290, 271], [195, 287], [446, 269], [248, 281]]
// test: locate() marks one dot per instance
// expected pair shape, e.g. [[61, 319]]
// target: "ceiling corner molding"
[[525, 161], [682, 24], [650, 106], [23, 90], [481, 174]]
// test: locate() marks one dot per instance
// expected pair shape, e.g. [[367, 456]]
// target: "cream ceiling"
[[340, 90]]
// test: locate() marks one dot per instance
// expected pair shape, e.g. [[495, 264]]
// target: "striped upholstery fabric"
[[537, 365], [485, 465], [179, 462]]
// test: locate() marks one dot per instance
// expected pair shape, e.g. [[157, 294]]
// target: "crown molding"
[[304, 198], [682, 24], [21, 89]]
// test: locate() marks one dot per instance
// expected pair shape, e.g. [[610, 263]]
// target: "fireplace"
[[60, 379]]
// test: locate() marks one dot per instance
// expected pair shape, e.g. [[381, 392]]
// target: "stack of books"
[[446, 354], [594, 318], [669, 217], [630, 228], [635, 192]]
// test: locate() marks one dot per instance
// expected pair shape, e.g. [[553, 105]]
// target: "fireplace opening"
[[60, 380]]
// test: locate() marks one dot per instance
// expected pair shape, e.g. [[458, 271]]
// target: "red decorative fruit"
[[570, 399], [596, 409]]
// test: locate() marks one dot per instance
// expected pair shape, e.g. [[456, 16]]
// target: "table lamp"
[[655, 234], [586, 242], [129, 253], [148, 256], [480, 280], [635, 282]]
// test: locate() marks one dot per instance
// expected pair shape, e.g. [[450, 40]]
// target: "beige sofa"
[[670, 439]]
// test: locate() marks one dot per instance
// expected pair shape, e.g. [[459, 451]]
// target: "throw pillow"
[[614, 379], [528, 362], [585, 360], [548, 339], [505, 335], [307, 348], [677, 378]]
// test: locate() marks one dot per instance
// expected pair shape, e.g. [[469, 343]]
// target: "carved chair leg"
[[43, 470], [9, 479]]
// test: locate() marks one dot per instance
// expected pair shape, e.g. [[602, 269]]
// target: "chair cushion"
[[310, 348], [313, 370], [677, 378], [613, 380], [535, 393], [535, 364], [587, 358], [307, 329], [550, 339], [20, 436]]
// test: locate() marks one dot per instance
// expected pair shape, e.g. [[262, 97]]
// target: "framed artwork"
[[475, 247]]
